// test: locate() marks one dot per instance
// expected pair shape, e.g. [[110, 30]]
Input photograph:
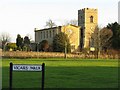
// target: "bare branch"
[[73, 22], [5, 37], [50, 23]]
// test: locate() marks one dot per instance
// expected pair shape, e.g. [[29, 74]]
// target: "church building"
[[80, 36], [48, 34]]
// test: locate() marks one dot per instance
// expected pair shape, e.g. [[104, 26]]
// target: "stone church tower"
[[88, 20]]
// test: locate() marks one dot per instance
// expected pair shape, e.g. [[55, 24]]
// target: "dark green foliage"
[[19, 42], [59, 43], [115, 27], [26, 40], [44, 45], [23, 44], [26, 46]]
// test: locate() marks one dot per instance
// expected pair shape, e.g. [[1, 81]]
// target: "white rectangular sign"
[[27, 67]]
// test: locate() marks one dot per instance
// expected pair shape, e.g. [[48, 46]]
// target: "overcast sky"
[[22, 16]]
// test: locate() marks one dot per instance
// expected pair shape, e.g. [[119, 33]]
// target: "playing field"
[[64, 73]]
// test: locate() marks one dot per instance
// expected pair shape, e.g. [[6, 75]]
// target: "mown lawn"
[[64, 73]]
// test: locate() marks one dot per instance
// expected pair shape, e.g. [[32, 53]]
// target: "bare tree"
[[102, 39], [105, 36], [4, 39], [50, 23], [73, 22], [93, 37]]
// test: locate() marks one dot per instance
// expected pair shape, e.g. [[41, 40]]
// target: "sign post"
[[10, 83], [29, 68], [43, 75]]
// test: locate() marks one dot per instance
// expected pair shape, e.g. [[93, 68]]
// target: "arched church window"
[[46, 34], [41, 35], [50, 33], [91, 19]]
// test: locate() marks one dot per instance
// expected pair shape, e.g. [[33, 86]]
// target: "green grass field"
[[64, 73]]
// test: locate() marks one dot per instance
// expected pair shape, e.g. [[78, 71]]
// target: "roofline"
[[47, 28], [74, 25], [56, 27]]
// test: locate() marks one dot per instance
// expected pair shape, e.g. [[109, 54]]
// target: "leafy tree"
[[115, 27], [60, 41], [19, 42], [50, 23], [44, 45]]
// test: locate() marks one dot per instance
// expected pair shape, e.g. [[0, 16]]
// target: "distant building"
[[72, 31], [80, 36], [119, 12]]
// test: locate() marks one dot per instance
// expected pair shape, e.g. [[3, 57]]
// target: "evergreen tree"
[[19, 42], [26, 40], [60, 42]]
